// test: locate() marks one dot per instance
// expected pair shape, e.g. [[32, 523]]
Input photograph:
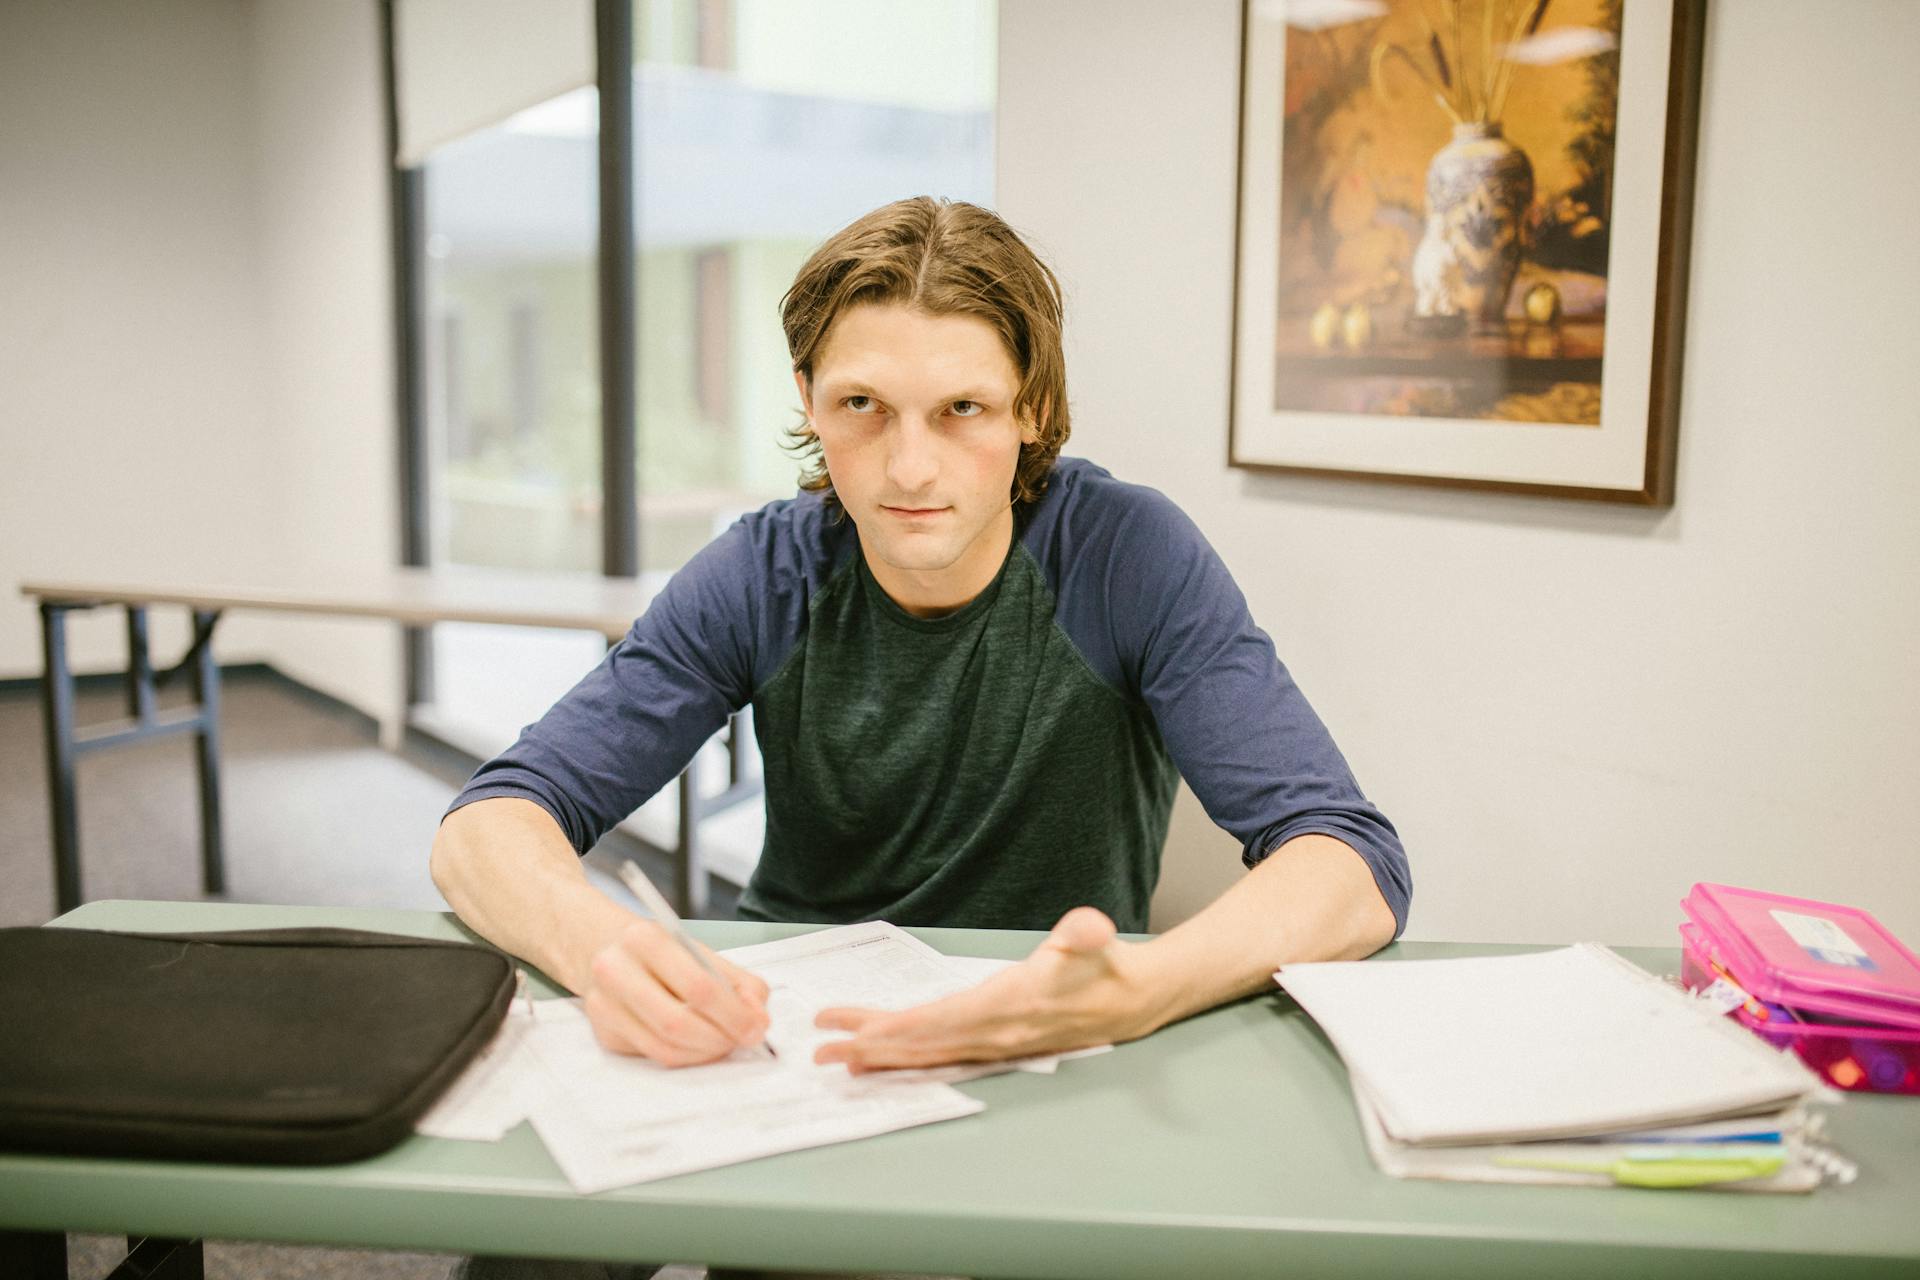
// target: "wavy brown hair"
[[945, 258]]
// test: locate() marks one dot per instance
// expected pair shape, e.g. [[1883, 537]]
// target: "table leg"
[[417, 653], [33, 1255], [689, 878], [736, 751], [56, 689], [139, 666], [158, 1258], [206, 690]]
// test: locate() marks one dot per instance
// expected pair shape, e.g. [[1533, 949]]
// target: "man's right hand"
[[645, 995], [509, 872]]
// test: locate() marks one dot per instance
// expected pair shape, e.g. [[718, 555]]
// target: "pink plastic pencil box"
[[1827, 981]]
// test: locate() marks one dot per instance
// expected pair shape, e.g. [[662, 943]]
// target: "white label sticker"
[[1824, 940], [1721, 996]]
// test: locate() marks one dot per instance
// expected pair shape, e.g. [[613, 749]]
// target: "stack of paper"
[[1560, 1066], [610, 1120]]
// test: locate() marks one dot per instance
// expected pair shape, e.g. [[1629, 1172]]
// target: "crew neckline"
[[892, 609]]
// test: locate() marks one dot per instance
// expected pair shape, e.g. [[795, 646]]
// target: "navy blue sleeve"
[[1153, 609], [632, 723]]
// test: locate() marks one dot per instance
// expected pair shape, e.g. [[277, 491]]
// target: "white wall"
[[1572, 711], [318, 147], [195, 338], [131, 439]]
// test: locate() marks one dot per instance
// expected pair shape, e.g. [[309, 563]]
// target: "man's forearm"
[[1313, 898], [508, 872]]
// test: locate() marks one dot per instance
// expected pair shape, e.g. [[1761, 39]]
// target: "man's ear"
[[806, 392]]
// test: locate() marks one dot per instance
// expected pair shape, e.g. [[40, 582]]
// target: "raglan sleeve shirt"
[[1145, 601]]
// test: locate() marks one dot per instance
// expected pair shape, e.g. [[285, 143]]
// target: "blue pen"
[[1655, 1139]]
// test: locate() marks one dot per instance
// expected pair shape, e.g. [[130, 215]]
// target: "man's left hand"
[[1081, 987]]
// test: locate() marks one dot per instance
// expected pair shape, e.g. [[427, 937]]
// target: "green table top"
[[1226, 1145]]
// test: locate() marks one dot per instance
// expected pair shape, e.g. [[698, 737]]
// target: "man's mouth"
[[911, 512]]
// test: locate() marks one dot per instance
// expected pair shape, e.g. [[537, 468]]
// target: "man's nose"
[[912, 462]]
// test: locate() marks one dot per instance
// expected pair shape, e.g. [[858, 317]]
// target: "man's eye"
[[857, 403], [974, 405]]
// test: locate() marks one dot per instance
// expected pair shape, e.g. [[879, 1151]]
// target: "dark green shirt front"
[[963, 770]]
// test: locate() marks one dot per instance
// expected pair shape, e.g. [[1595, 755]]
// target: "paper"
[[874, 966], [1568, 1042], [596, 1159], [610, 1119], [486, 1101], [1491, 1162], [976, 969]]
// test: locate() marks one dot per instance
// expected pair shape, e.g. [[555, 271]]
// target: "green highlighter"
[[1679, 1169]]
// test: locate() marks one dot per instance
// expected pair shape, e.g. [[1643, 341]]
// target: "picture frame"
[[1461, 242]]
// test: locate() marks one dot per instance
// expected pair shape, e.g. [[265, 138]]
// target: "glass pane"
[[512, 361], [512, 345], [762, 126]]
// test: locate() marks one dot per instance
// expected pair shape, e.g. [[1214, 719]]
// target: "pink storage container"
[[1829, 982]]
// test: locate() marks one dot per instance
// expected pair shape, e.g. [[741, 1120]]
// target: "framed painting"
[[1461, 253]]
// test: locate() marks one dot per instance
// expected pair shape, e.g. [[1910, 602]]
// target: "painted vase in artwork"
[[1478, 189]]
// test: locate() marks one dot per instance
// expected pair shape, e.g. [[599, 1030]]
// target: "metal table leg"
[[56, 689], [736, 751], [42, 1255], [689, 878], [206, 691], [66, 743], [139, 666], [156, 1258]]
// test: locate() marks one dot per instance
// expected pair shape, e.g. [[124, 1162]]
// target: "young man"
[[974, 669]]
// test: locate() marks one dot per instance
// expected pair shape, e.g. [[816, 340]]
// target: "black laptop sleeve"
[[289, 1046]]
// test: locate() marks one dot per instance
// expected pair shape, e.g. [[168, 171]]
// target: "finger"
[[751, 987], [615, 1027], [860, 1064], [845, 1019], [680, 1024], [868, 1026], [1083, 929], [712, 998], [861, 1053], [626, 979], [907, 1038]]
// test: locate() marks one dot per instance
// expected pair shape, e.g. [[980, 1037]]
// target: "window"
[[760, 127], [513, 398]]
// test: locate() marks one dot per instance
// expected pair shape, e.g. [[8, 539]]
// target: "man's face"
[[915, 418]]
